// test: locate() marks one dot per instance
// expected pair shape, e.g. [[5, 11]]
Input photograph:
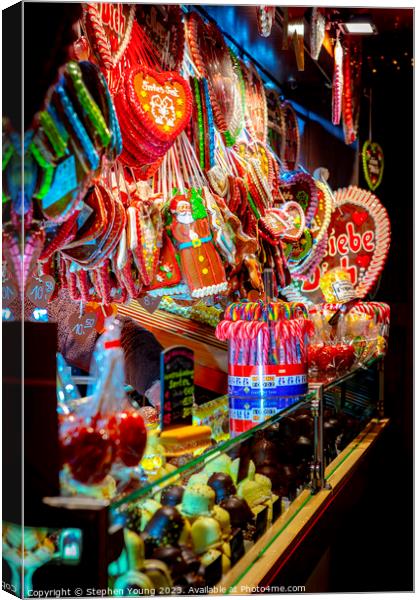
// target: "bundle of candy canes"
[[273, 333]]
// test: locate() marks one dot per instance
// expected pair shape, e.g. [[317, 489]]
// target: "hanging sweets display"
[[153, 108], [352, 67], [265, 17], [109, 27], [201, 265], [219, 66], [373, 164], [255, 103], [164, 26], [275, 121], [317, 32], [337, 84]]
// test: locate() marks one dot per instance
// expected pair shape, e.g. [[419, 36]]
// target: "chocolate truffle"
[[304, 449], [172, 495], [172, 557], [239, 511], [305, 425], [264, 452], [222, 485]]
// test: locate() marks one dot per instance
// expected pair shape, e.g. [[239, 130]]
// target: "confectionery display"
[[166, 177]]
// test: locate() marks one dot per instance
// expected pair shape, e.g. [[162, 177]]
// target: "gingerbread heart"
[[161, 102], [301, 187], [109, 27], [360, 250], [373, 164], [164, 26]]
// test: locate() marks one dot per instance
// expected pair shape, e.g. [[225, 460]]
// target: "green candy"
[[89, 105], [51, 131]]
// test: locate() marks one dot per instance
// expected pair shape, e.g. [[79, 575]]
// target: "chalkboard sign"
[[177, 386]]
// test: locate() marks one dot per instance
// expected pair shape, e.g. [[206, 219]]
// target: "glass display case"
[[201, 525]]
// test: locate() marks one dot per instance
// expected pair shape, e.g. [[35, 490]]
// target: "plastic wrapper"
[[336, 286], [67, 392], [105, 435], [346, 336]]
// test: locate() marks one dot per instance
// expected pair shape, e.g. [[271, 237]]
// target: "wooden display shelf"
[[274, 548], [170, 330]]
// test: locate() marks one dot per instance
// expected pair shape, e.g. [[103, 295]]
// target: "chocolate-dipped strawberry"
[[172, 495], [223, 486]]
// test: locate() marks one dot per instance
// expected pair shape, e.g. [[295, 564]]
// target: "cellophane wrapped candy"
[[105, 436], [346, 336]]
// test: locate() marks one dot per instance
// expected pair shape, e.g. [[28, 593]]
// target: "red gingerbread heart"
[[161, 102], [358, 242], [359, 217], [109, 27]]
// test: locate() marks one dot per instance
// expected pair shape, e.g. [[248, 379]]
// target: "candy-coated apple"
[[132, 437]]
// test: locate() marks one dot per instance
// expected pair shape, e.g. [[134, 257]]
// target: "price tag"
[[39, 290], [149, 303], [82, 325], [9, 293], [177, 386]]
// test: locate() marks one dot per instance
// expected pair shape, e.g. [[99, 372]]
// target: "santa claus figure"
[[201, 265]]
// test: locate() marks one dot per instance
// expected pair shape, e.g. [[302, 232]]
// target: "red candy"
[[90, 449], [331, 358], [132, 438], [89, 453]]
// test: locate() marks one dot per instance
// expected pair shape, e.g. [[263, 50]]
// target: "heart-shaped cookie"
[[161, 102], [109, 26], [373, 164], [301, 187], [359, 249]]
